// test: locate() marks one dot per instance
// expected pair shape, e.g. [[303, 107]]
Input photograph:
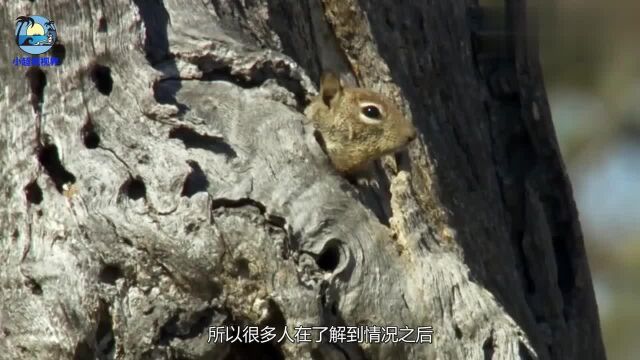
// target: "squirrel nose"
[[412, 135]]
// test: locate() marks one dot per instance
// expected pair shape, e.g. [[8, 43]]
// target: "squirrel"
[[356, 125]]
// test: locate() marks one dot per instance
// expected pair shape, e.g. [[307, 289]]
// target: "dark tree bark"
[[163, 181]]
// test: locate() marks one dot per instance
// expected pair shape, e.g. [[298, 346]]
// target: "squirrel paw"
[[368, 182]]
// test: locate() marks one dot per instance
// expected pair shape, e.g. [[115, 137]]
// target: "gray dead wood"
[[163, 180]]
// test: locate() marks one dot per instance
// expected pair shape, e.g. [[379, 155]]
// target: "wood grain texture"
[[164, 180]]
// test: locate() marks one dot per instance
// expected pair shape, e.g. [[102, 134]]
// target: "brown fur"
[[351, 143]]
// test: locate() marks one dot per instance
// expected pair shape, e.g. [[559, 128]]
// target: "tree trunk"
[[162, 182]]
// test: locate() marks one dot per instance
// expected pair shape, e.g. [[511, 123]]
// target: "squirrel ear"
[[330, 87]]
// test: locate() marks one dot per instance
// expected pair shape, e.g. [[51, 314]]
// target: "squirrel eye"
[[370, 111]]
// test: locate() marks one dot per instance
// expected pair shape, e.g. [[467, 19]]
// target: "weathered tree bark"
[[162, 181]]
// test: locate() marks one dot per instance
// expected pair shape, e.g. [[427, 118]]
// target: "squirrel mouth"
[[396, 150]]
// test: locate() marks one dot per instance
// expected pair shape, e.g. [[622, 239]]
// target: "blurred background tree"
[[590, 53]]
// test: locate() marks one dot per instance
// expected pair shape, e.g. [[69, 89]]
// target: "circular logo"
[[35, 34]]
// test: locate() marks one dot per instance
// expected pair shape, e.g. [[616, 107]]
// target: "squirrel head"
[[364, 125]]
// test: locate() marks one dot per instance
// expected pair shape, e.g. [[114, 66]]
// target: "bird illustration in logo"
[[35, 34]]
